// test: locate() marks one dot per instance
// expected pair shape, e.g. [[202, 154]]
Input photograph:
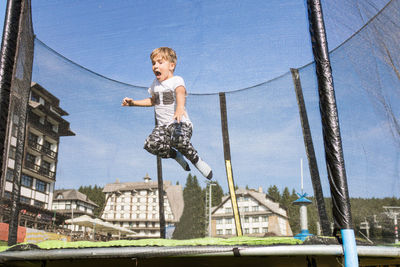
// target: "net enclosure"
[[97, 53]]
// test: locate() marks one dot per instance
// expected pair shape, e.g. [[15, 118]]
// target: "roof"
[[72, 194], [262, 198], [53, 99]]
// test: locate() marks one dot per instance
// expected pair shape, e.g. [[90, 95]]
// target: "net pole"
[[160, 193], [8, 52], [228, 165], [312, 161], [331, 133]]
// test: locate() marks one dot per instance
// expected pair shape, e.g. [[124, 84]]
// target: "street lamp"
[[209, 208]]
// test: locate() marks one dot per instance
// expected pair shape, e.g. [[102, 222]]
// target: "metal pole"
[[396, 234], [161, 198], [228, 165], [209, 210], [72, 217], [160, 193]]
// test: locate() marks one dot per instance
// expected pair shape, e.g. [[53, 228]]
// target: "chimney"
[[260, 190], [147, 178]]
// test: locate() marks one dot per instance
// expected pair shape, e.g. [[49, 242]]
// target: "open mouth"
[[157, 73]]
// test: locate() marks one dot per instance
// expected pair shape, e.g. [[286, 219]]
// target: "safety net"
[[249, 60]]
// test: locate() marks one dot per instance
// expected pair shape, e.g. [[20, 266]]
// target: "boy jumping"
[[171, 136]]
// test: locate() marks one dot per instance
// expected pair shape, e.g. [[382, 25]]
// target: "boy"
[[171, 136]]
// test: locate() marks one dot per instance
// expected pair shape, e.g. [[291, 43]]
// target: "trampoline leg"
[[349, 248]]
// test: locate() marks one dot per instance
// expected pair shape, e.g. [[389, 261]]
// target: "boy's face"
[[162, 68]]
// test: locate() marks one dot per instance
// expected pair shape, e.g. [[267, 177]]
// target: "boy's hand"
[[127, 102], [178, 114]]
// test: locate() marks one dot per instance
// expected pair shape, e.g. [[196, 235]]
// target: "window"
[[47, 144], [33, 137], [26, 180], [14, 130], [12, 152], [256, 230], [46, 165], [246, 209], [228, 231], [30, 158], [245, 198], [68, 206], [54, 127], [10, 175], [40, 186], [265, 230], [219, 232], [219, 221], [265, 218], [7, 195], [39, 204], [255, 219], [246, 219], [228, 210], [254, 208], [25, 200], [34, 97], [228, 220], [122, 207], [246, 230]]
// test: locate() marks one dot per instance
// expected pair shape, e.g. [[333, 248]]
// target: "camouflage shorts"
[[174, 136]]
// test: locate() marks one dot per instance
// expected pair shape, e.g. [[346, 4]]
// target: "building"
[[44, 127], [72, 204], [134, 205], [259, 215]]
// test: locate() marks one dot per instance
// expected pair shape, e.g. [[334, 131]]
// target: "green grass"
[[250, 241]]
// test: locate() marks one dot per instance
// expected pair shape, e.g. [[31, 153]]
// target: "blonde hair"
[[166, 53]]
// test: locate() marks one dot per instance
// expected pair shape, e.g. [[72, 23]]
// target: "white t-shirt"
[[165, 100]]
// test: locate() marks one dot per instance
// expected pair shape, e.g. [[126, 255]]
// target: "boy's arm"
[[147, 102], [180, 94]]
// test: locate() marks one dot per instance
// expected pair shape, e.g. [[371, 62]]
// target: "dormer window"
[[60, 196]]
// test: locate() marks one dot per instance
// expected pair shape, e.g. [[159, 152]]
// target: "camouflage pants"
[[164, 139]]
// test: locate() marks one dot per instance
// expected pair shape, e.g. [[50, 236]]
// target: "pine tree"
[[294, 214], [96, 195], [286, 200], [273, 192], [217, 194], [192, 221]]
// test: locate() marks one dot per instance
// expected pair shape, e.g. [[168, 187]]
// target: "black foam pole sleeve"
[[312, 159], [8, 51], [330, 120]]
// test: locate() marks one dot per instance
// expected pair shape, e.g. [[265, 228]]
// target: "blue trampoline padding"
[[349, 248]]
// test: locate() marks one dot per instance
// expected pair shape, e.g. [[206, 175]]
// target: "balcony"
[[32, 166], [46, 172], [40, 169], [45, 127], [35, 145], [49, 152], [40, 148]]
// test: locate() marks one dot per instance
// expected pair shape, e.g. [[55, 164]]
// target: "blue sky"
[[221, 46]]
